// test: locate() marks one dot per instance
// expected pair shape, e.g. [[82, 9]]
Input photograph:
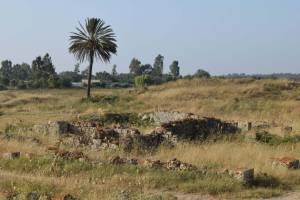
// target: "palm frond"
[[94, 38]]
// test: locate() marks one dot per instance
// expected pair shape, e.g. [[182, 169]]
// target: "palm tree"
[[93, 41]]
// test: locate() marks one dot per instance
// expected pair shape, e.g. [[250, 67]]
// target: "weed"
[[103, 99]]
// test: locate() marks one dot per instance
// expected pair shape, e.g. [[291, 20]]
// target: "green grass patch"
[[129, 119], [267, 138], [103, 99], [22, 189]]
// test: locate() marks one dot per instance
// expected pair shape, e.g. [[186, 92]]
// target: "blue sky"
[[221, 36]]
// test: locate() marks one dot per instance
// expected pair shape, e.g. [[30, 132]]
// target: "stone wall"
[[193, 129], [185, 127]]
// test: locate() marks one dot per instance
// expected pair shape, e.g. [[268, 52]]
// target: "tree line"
[[42, 74]]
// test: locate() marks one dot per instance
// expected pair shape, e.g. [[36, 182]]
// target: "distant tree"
[[158, 66], [200, 73], [13, 83], [5, 72], [77, 68], [53, 81], [114, 70], [104, 76], [146, 69], [85, 73], [74, 76], [21, 72], [21, 85], [174, 69], [126, 78], [41, 83], [42, 68], [135, 67], [94, 41], [64, 82]]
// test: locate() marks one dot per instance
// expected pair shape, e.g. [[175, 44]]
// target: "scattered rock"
[[52, 128], [243, 174], [32, 196], [193, 129], [11, 155], [69, 197], [287, 162], [118, 160], [175, 127], [58, 127], [151, 163], [255, 125], [175, 164], [68, 155], [167, 117]]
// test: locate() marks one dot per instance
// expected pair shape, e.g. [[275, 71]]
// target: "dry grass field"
[[247, 99]]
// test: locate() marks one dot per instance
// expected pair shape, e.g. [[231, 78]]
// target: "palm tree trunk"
[[88, 94]]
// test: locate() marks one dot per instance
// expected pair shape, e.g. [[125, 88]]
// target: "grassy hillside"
[[230, 99], [237, 99]]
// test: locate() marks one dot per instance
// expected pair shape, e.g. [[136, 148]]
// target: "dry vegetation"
[[231, 99]]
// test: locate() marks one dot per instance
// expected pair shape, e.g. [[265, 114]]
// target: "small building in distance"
[[101, 84]]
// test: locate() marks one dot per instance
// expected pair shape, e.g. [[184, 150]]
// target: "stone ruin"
[[173, 127], [96, 136], [196, 128], [172, 164], [166, 117], [286, 162], [245, 175]]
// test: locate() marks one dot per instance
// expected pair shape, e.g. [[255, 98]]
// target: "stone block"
[[287, 162], [11, 155], [243, 174], [58, 127]]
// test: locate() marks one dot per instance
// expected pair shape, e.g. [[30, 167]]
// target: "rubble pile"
[[286, 162], [175, 127], [192, 129], [71, 155], [166, 117], [243, 174], [52, 128], [99, 137], [173, 164]]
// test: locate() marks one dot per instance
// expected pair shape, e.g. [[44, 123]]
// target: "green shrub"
[[21, 85], [2, 87], [104, 99], [142, 81], [267, 138], [65, 82], [53, 81], [132, 119], [200, 73]]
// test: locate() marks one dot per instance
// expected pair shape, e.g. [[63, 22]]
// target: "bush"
[[142, 81], [105, 99], [99, 85], [65, 82], [267, 138], [132, 119], [13, 83], [200, 73], [53, 81], [21, 85], [2, 87]]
